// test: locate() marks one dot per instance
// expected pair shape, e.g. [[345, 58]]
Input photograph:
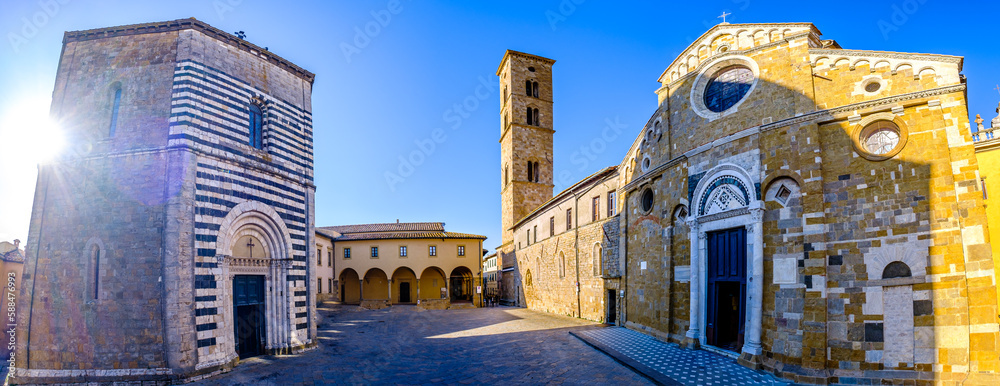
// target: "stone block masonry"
[[135, 237]]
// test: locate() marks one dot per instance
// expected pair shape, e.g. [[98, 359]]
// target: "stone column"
[[750, 356], [389, 283], [361, 290], [418, 290], [691, 338]]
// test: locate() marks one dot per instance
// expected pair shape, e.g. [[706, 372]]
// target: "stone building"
[[812, 210], [175, 239], [378, 265], [552, 245]]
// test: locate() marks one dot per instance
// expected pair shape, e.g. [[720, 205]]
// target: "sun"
[[29, 136]]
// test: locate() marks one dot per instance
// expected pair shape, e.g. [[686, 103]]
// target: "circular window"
[[879, 137], [727, 87], [645, 164], [532, 69], [647, 200], [873, 86]]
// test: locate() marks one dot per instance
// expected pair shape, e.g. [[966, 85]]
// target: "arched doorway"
[[350, 287], [254, 247], [432, 284], [461, 285], [375, 286], [248, 300], [404, 287]]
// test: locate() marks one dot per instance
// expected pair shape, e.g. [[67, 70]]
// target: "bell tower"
[[525, 136]]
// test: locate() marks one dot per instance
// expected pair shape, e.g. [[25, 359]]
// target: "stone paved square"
[[407, 345]]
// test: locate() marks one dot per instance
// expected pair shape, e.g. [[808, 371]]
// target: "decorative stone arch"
[[880, 63], [912, 253], [748, 214], [719, 177], [860, 62], [841, 62], [782, 189], [259, 220], [926, 71], [821, 60], [901, 67]]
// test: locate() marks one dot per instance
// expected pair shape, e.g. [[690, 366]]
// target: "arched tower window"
[[114, 112], [527, 87], [506, 175], [531, 172], [534, 89], [256, 126], [534, 115], [535, 167], [529, 116]]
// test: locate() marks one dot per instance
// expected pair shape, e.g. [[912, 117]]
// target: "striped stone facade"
[[148, 220]]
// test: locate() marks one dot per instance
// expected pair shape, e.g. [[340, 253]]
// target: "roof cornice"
[[183, 24]]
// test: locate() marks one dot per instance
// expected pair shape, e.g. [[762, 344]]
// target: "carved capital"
[[702, 236], [221, 259], [757, 214]]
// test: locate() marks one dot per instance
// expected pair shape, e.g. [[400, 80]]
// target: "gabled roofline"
[[715, 28]]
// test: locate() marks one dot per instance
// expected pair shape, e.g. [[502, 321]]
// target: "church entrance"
[[248, 310], [727, 266]]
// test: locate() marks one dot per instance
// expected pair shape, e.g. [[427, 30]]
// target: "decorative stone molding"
[[858, 130], [827, 115], [705, 75]]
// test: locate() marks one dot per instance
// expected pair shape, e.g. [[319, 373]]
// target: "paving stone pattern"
[[689, 367], [405, 345]]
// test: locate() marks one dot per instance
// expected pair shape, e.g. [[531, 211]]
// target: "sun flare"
[[29, 135]]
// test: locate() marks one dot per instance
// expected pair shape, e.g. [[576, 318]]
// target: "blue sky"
[[381, 100]]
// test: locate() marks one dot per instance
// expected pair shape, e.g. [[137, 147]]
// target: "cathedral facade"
[[811, 210], [176, 236]]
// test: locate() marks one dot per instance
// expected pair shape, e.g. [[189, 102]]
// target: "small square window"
[[402, 251], [347, 253], [329, 258], [432, 250], [782, 194], [374, 252], [461, 250]]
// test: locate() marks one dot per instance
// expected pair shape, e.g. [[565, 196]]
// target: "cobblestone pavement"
[[672, 364], [406, 345]]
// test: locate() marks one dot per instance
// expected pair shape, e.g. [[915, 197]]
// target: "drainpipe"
[[576, 249]]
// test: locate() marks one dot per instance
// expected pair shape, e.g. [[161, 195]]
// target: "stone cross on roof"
[[723, 16]]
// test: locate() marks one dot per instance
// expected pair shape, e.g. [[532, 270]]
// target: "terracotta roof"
[[408, 235], [14, 255], [386, 227]]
